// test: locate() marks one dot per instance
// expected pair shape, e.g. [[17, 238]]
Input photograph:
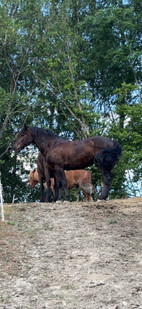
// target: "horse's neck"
[[42, 142], [39, 146]]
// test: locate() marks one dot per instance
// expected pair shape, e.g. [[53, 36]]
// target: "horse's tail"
[[108, 157], [87, 187]]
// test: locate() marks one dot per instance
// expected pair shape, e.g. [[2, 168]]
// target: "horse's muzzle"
[[17, 149]]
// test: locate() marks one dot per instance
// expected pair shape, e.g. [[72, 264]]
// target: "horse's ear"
[[25, 127]]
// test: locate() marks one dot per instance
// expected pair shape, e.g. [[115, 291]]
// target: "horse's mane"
[[39, 131]]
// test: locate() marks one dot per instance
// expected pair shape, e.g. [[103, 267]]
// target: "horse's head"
[[24, 138], [33, 178]]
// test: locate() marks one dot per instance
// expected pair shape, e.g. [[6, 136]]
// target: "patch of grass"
[[50, 296], [112, 221], [28, 267], [69, 287], [47, 227], [30, 233], [11, 223], [5, 299]]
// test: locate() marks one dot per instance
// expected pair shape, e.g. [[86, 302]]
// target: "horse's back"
[[75, 176], [101, 141]]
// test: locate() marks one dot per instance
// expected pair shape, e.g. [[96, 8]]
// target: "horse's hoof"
[[58, 202]]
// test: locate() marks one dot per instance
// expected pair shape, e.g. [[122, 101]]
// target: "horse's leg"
[[58, 191], [85, 197], [64, 185], [56, 187], [41, 190], [49, 192], [53, 187], [90, 199], [107, 177], [61, 183], [48, 182], [60, 197]]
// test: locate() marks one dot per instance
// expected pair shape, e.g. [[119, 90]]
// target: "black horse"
[[63, 154]]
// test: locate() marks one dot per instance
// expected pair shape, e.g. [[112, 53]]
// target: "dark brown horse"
[[63, 154]]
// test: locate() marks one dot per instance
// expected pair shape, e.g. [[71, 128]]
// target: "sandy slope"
[[72, 255]]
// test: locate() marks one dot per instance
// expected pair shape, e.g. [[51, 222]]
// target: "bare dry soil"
[[72, 255]]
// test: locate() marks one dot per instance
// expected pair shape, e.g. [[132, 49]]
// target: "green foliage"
[[74, 67]]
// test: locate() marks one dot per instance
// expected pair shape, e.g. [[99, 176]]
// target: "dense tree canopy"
[[73, 67]]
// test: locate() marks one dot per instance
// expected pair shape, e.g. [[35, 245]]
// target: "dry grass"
[[71, 255]]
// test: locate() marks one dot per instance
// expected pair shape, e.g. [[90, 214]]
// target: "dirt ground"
[[72, 255]]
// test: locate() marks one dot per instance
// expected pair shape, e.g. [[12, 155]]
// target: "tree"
[[74, 67]]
